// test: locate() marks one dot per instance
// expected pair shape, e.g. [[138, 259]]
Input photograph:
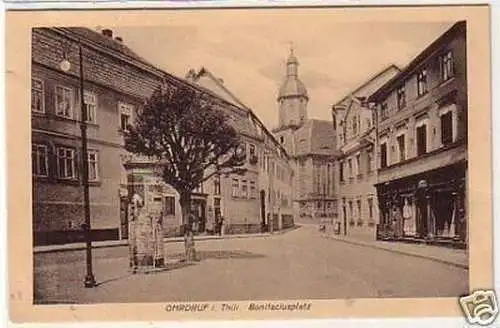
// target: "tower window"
[[282, 140]]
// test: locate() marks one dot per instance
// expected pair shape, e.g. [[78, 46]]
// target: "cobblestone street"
[[299, 264]]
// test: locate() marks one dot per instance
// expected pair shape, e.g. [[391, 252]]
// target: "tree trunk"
[[185, 200]]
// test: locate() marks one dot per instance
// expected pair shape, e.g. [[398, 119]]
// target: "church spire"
[[292, 96], [292, 63]]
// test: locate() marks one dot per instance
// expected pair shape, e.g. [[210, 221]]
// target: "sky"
[[335, 57]]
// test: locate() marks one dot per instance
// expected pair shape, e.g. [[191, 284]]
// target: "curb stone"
[[459, 265], [122, 243]]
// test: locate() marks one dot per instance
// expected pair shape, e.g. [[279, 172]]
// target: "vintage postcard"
[[265, 163]]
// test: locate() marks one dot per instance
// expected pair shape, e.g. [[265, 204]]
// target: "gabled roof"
[[364, 90], [218, 88], [214, 84], [315, 137]]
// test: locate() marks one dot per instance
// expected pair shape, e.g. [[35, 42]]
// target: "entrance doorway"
[[198, 208]]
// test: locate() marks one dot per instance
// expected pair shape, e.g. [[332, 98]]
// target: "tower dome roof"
[[292, 86]]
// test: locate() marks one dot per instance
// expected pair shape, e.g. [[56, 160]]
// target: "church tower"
[[292, 96]]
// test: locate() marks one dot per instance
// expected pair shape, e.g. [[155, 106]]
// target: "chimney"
[[119, 39], [108, 33]]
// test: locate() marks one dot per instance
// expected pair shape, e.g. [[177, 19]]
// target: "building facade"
[[116, 83], [271, 186], [422, 145], [354, 124], [311, 146]]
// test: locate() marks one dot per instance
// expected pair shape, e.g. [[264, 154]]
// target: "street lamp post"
[[89, 277]]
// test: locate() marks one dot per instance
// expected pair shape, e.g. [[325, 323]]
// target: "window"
[[401, 147], [64, 102], [126, 112], [421, 140], [66, 163], [93, 165], [383, 155], [384, 110], [358, 165], [217, 185], [235, 188], [354, 125], [90, 99], [358, 202], [39, 160], [447, 128], [244, 189], [370, 208], [351, 210], [37, 96], [369, 158], [282, 140], [253, 191], [341, 171], [447, 69], [252, 150], [170, 205], [349, 163], [422, 82], [401, 97]]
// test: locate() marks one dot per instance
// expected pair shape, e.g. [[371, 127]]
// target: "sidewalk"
[[118, 243], [455, 257]]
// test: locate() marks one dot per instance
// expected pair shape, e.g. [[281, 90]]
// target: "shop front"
[[427, 207]]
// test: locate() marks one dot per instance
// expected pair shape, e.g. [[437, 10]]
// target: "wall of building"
[[58, 203]]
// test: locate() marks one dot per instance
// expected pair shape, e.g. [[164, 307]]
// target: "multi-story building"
[[271, 188], [354, 124], [422, 144], [311, 146], [117, 82]]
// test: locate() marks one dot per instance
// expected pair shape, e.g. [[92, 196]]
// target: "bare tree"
[[192, 140]]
